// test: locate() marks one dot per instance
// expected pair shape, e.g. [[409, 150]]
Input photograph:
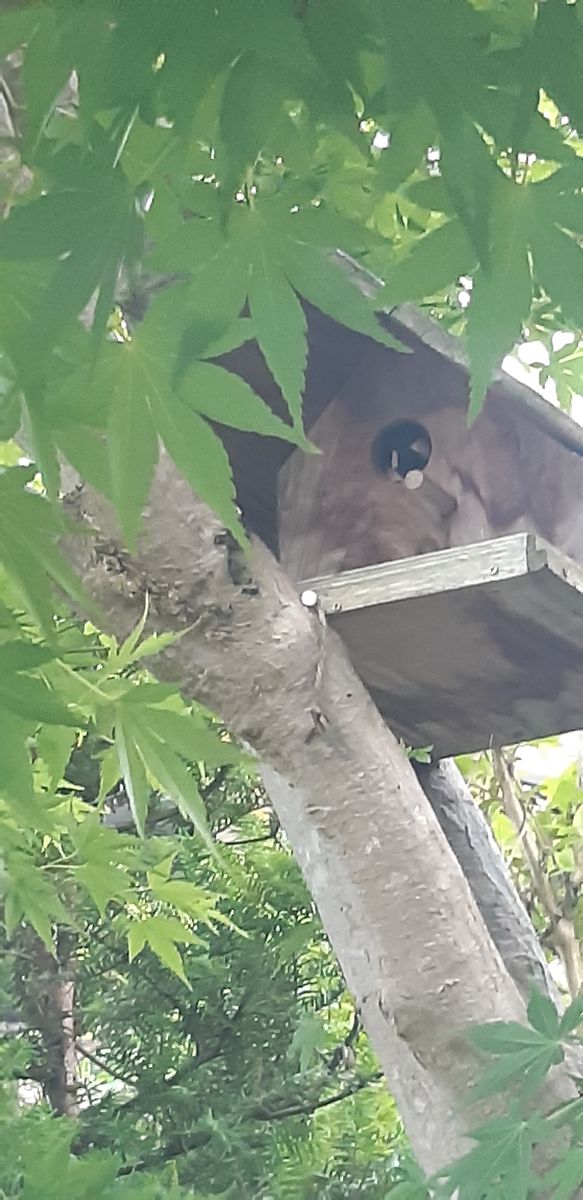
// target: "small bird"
[[402, 447]]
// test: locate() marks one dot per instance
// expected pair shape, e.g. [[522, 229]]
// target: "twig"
[[265, 837], [307, 1109], [564, 938], [103, 1066]]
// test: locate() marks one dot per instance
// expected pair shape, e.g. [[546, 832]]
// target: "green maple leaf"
[[502, 292], [29, 529], [279, 321], [163, 935], [433, 262]]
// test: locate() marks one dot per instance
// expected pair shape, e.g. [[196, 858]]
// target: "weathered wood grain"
[[467, 648]]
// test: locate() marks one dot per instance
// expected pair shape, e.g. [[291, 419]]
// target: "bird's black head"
[[401, 447]]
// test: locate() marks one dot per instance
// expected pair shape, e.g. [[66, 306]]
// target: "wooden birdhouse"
[[448, 557]]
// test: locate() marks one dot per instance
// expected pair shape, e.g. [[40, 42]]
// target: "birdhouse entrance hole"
[[401, 447]]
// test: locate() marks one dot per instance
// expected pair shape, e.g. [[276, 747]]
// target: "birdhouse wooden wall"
[[400, 473]]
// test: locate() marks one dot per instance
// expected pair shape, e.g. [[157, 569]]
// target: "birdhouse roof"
[[409, 324], [406, 320]]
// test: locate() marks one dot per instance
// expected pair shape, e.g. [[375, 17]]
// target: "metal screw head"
[[309, 598]]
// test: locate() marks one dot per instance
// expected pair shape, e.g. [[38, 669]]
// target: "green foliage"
[[507, 274], [29, 527], [176, 180], [84, 690], [241, 179], [501, 1165], [238, 1069], [521, 1053], [37, 1163]]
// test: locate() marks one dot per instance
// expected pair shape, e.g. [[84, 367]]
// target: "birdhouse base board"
[[466, 648]]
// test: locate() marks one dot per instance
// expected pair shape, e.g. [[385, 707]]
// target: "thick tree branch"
[[469, 836]]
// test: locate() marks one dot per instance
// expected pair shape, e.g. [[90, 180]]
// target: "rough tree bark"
[[396, 906], [48, 1003]]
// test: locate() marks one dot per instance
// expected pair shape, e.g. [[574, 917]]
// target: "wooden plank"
[[467, 648], [444, 570]]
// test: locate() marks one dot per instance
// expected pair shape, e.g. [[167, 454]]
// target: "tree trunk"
[[48, 1007], [395, 904]]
